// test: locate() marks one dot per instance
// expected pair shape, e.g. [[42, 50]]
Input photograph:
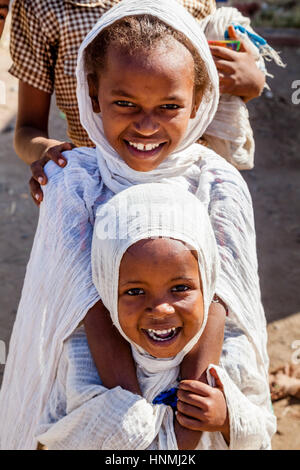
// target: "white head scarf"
[[115, 173], [141, 212]]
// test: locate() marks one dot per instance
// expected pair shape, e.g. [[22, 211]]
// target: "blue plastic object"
[[167, 398]]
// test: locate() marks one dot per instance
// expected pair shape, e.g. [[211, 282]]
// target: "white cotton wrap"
[[146, 211], [230, 133], [58, 290], [116, 174]]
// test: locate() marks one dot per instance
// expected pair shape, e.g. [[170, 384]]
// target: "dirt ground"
[[275, 188]]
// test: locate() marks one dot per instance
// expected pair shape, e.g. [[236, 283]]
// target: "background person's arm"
[[32, 143], [31, 133], [238, 72]]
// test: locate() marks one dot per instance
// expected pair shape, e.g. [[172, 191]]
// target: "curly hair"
[[139, 33]]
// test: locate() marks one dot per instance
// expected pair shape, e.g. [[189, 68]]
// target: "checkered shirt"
[[45, 38]]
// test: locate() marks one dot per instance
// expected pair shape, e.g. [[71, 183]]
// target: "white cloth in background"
[[230, 133], [58, 290]]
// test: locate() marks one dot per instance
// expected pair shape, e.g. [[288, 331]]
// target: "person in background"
[[4, 5], [45, 38]]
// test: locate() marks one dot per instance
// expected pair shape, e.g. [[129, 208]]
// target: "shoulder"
[[78, 183], [33, 17], [237, 345], [222, 177], [81, 369], [82, 165], [38, 7]]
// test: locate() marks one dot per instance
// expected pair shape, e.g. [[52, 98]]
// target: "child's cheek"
[[130, 305]]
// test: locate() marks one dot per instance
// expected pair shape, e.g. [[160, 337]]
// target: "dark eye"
[[124, 104], [170, 106], [135, 291], [180, 288]]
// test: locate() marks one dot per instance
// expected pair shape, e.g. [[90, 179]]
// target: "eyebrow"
[[122, 93], [179, 278], [3, 7], [128, 95], [132, 282]]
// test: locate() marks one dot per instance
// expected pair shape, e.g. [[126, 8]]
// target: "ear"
[[93, 91], [197, 100]]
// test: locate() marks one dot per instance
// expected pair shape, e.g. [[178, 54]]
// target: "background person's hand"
[[238, 72], [54, 153], [202, 407]]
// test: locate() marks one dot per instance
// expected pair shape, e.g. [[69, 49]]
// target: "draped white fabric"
[[82, 414], [146, 211], [116, 174], [230, 133], [58, 289]]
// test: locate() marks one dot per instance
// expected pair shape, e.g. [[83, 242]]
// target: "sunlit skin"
[[160, 289], [146, 99], [4, 5]]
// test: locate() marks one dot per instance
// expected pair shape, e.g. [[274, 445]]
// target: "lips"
[[143, 147], [144, 150], [162, 336]]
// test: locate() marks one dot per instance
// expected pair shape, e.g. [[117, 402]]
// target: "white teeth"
[[162, 332], [155, 334], [144, 148]]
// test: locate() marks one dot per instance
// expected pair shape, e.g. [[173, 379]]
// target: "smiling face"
[[146, 101], [160, 302]]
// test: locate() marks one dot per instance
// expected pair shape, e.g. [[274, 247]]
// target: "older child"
[[45, 39], [153, 92], [155, 264]]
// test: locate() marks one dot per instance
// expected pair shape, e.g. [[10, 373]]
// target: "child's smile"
[[146, 102], [160, 296]]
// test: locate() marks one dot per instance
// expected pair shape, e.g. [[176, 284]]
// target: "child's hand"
[[203, 408], [238, 72], [54, 153]]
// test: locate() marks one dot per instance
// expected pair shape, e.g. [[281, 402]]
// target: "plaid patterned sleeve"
[[199, 8], [31, 51]]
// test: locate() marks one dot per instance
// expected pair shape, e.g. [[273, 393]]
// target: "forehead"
[[166, 253], [168, 65]]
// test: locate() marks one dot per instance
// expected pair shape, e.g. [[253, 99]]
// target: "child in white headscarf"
[[155, 264], [144, 111]]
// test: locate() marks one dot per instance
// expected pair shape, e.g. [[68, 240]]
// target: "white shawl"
[[116, 174], [146, 211], [58, 290], [230, 133]]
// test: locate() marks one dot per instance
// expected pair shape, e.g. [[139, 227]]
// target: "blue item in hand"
[[167, 398]]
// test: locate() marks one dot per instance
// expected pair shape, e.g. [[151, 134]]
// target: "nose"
[[147, 124], [161, 310]]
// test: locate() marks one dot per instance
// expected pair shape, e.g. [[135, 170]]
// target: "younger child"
[[155, 264]]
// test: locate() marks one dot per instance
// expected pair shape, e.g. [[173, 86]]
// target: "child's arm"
[[195, 364], [209, 347], [31, 139], [110, 351]]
